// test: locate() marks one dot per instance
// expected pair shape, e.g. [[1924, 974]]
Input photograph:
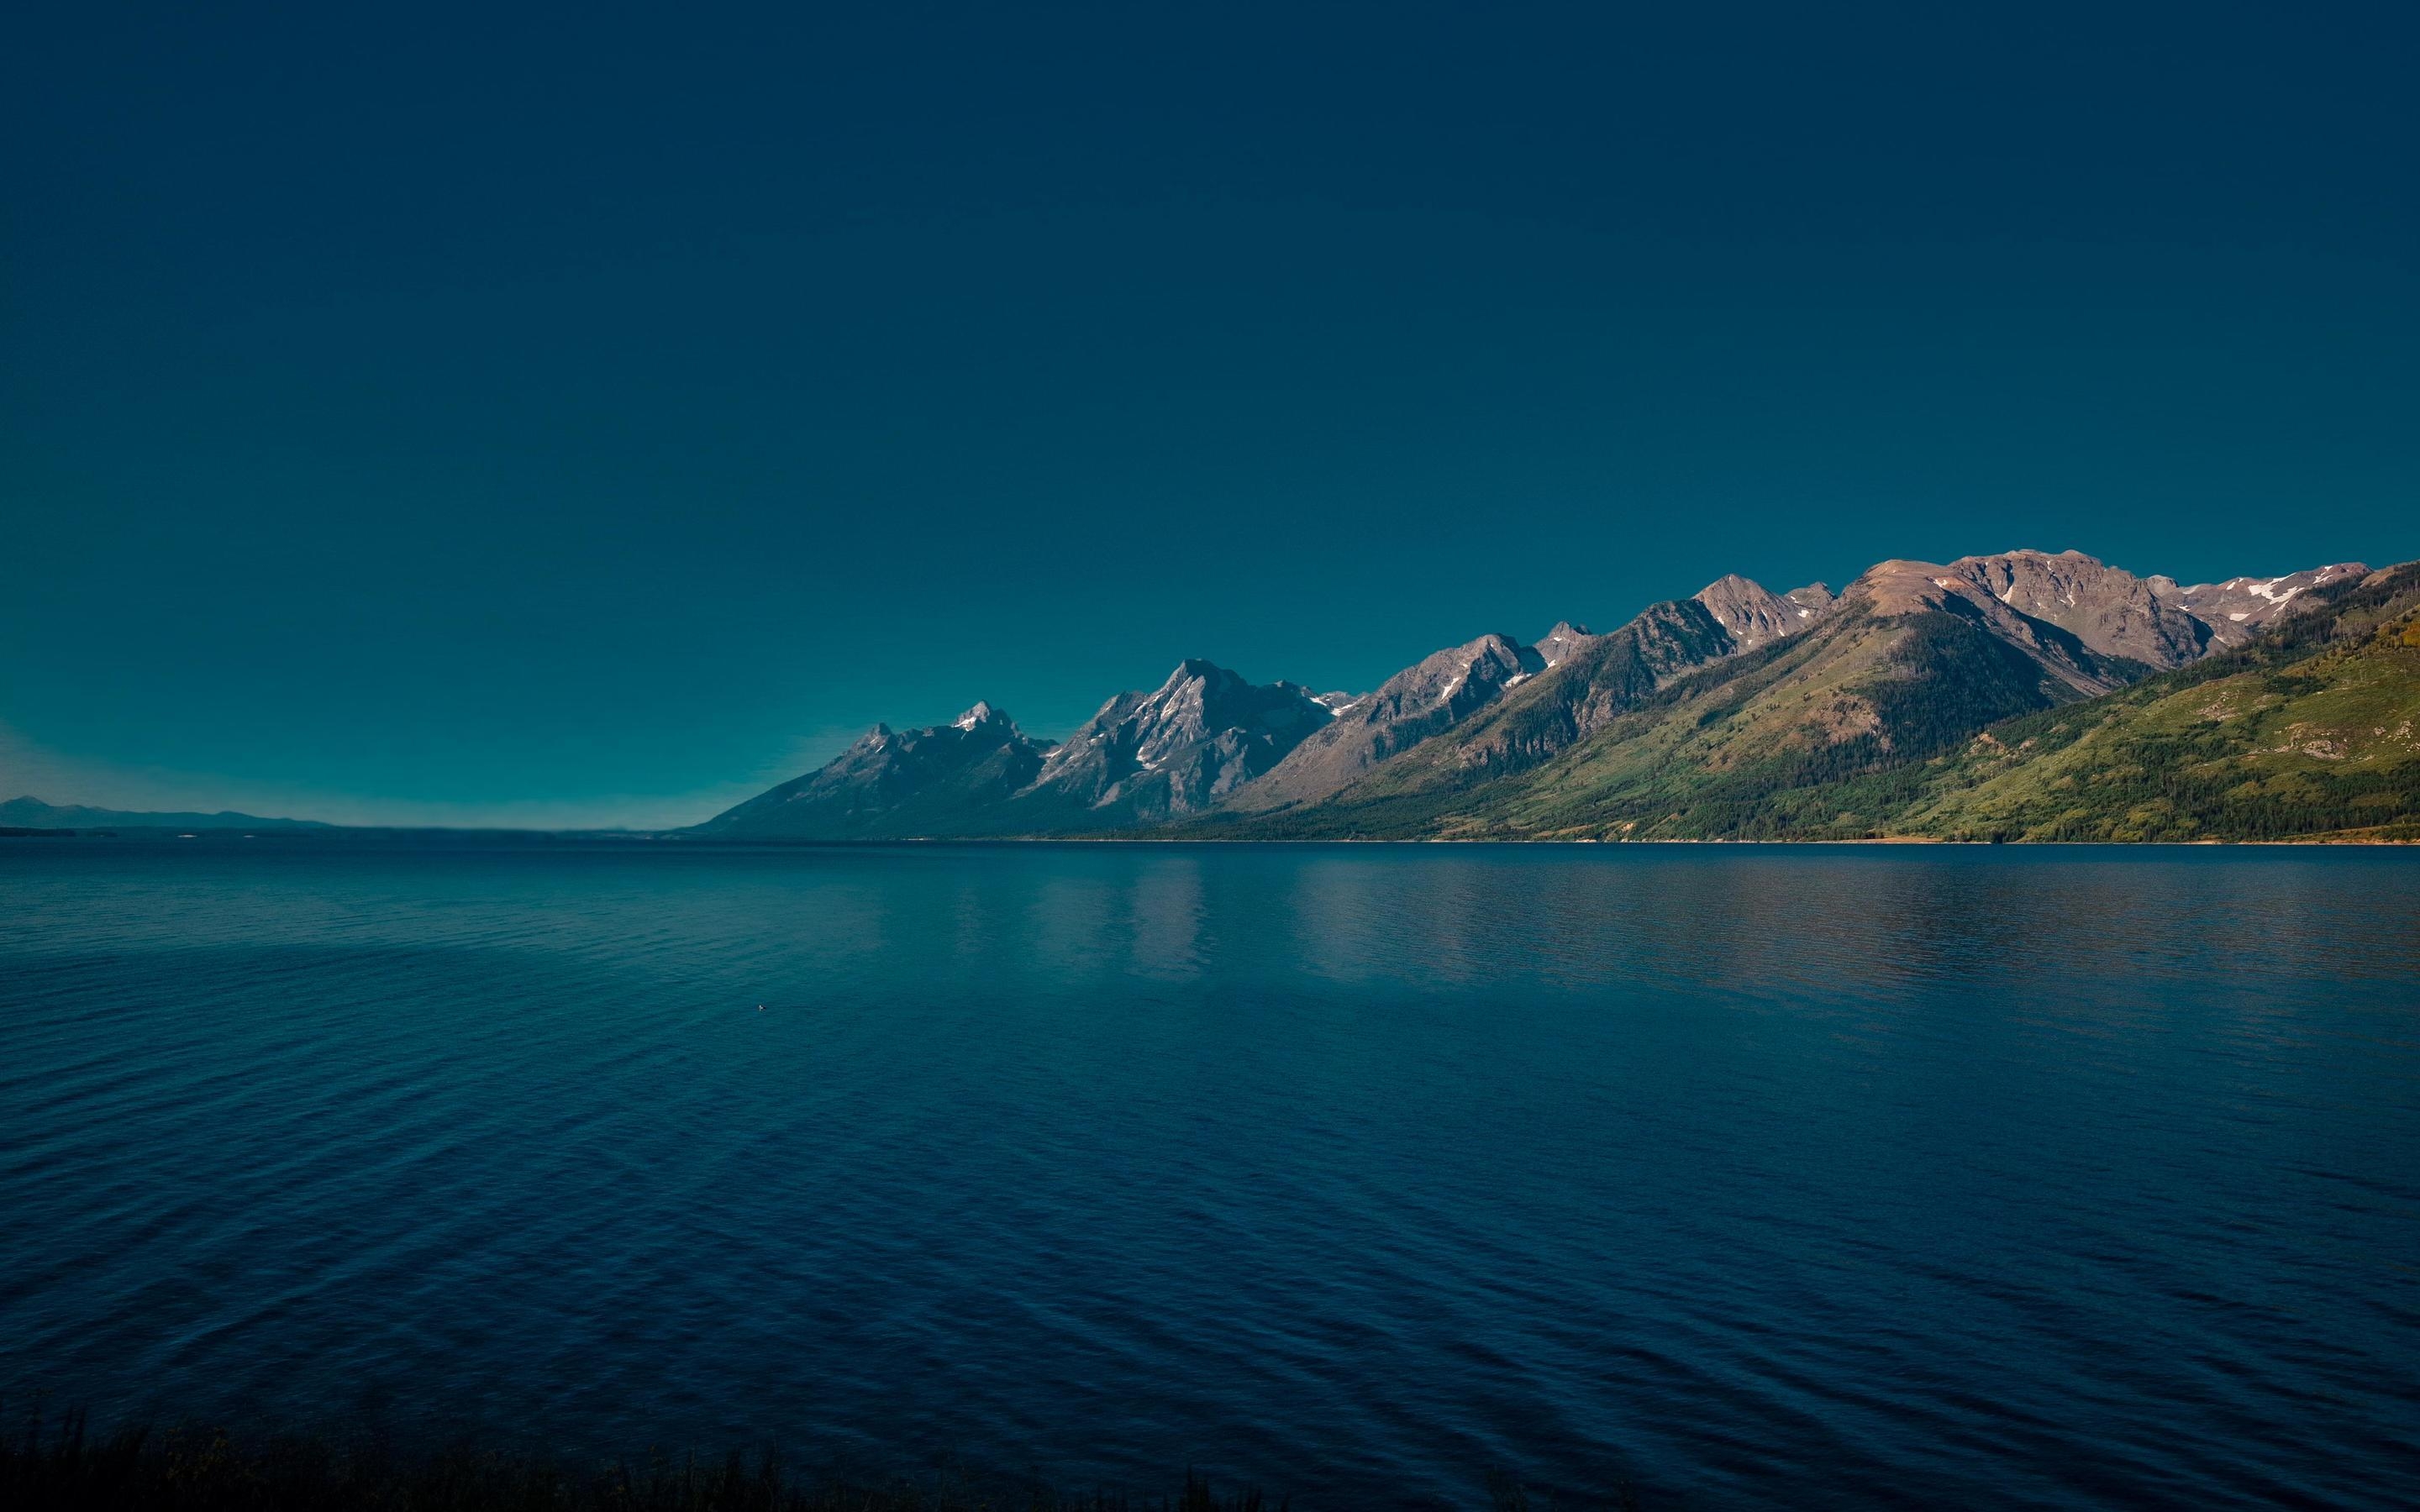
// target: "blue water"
[[1751, 1176]]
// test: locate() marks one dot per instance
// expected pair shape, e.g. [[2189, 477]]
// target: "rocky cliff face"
[[1423, 700]]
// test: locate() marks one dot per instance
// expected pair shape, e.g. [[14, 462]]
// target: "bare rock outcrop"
[[1425, 699]]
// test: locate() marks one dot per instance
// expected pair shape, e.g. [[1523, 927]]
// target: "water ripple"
[[1760, 1177]]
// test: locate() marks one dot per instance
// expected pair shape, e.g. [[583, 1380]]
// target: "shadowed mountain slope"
[[1417, 703], [948, 779]]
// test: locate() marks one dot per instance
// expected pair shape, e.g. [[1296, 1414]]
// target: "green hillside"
[[2312, 730], [1927, 725], [1822, 734]]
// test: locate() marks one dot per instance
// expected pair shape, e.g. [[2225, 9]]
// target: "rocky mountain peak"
[[1750, 613], [1900, 585], [1459, 677], [1903, 587], [1432, 695], [1207, 673], [2238, 608], [2108, 609], [1201, 734], [1558, 644], [946, 778]]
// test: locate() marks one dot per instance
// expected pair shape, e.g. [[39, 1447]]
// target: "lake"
[[1752, 1176]]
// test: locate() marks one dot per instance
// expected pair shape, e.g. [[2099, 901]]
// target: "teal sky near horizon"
[[466, 418]]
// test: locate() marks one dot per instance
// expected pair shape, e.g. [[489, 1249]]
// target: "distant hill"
[[32, 814], [2025, 695]]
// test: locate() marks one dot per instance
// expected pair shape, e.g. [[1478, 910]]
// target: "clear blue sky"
[[428, 413]]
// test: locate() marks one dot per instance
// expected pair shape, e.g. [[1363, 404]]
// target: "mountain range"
[[32, 814], [2018, 695]]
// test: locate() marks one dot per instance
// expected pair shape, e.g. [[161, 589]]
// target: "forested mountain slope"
[[2312, 730], [1900, 719]]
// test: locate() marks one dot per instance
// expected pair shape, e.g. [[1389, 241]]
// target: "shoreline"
[[676, 842]]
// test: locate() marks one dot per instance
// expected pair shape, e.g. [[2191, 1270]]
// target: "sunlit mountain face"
[[1736, 713]]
